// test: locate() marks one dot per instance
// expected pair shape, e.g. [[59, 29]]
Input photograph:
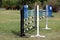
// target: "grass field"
[[10, 26]]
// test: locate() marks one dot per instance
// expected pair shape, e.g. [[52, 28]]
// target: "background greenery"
[[10, 21], [14, 3]]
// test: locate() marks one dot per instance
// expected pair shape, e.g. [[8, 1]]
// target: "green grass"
[[10, 26]]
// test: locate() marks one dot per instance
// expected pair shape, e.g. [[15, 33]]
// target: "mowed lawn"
[[10, 26]]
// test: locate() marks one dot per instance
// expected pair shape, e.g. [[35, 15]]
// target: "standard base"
[[47, 28], [37, 36]]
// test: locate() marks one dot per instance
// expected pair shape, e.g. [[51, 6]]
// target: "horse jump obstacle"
[[36, 21]]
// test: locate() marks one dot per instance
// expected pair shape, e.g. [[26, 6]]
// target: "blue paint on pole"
[[25, 8]]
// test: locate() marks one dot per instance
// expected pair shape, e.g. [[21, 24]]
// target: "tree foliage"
[[0, 3], [31, 3]]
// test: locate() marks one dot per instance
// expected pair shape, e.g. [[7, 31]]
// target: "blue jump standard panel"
[[22, 23], [24, 15], [49, 10], [25, 8]]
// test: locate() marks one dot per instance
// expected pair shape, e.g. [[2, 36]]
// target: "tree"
[[0, 3], [28, 2], [42, 2], [58, 2]]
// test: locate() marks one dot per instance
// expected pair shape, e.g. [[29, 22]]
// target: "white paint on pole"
[[50, 8], [37, 21], [47, 18]]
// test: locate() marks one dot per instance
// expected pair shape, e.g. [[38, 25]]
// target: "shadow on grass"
[[18, 34]]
